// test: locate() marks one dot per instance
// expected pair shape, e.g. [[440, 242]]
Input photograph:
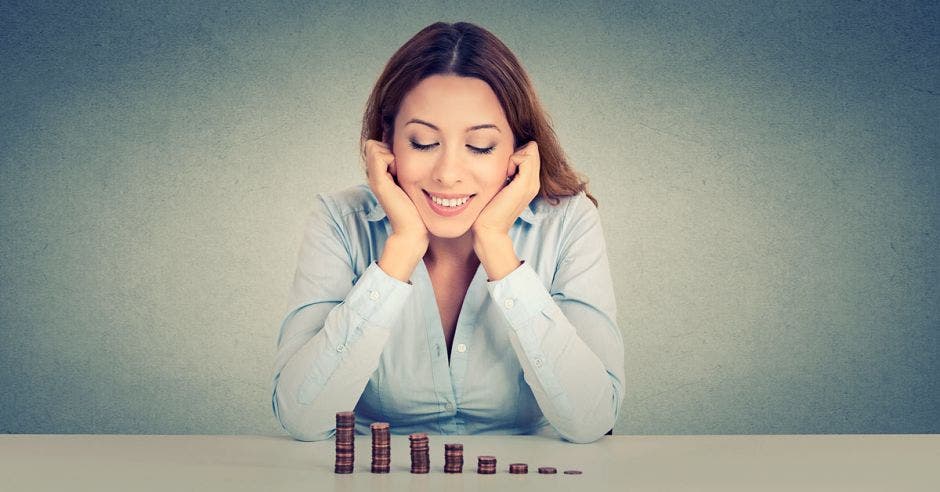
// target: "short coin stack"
[[345, 442], [381, 448], [518, 468], [486, 465], [420, 453], [547, 470], [453, 458]]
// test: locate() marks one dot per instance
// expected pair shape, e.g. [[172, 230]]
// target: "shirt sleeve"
[[334, 331], [566, 339]]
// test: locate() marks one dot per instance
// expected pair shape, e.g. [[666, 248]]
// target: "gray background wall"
[[767, 174]]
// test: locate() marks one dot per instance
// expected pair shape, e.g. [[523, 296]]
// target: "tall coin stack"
[[381, 448], [486, 465], [420, 453], [453, 458], [345, 442]]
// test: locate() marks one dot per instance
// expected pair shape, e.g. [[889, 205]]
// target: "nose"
[[449, 168]]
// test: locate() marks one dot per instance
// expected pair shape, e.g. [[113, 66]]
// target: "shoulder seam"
[[564, 223], [332, 212]]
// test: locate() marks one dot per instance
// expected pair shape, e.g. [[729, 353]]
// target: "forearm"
[[328, 351], [327, 375], [578, 386], [568, 380]]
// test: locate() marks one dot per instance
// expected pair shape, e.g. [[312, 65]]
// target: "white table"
[[720, 463]]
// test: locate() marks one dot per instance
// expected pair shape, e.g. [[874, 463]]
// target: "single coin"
[[572, 472]]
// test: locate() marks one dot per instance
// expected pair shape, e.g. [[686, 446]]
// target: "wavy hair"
[[468, 50]]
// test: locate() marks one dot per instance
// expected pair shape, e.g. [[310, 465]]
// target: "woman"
[[466, 289]]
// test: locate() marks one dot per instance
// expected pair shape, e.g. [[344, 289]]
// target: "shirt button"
[[373, 295], [448, 407], [538, 362], [508, 303], [340, 348], [461, 347]]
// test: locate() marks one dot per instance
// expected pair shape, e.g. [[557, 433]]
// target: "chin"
[[449, 231]]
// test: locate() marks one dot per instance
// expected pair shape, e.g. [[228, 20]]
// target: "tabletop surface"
[[720, 463]]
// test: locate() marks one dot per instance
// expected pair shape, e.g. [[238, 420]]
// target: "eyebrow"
[[470, 129]]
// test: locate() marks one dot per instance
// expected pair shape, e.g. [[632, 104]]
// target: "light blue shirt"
[[536, 352]]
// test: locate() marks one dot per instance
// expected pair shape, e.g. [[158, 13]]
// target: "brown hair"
[[467, 50]]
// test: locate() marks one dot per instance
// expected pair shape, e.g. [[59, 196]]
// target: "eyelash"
[[417, 146]]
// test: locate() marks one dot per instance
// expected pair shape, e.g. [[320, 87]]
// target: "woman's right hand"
[[409, 236]]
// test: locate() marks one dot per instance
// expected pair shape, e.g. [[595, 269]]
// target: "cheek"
[[493, 177], [409, 170]]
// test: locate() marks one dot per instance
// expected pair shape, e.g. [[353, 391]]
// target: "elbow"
[[595, 423], [585, 434], [297, 423], [300, 433], [582, 437], [307, 436]]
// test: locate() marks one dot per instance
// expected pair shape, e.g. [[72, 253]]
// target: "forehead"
[[452, 102]]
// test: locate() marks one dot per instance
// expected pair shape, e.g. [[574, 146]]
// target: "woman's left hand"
[[507, 205]]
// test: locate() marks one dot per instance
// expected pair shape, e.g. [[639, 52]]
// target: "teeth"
[[452, 202]]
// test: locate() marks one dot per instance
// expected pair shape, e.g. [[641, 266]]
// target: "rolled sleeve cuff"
[[519, 295], [378, 297]]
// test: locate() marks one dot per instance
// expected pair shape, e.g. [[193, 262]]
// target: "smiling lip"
[[448, 195], [447, 211]]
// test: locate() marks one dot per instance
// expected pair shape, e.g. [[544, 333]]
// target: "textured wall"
[[764, 171]]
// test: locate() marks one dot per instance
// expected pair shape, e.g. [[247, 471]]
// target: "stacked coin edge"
[[345, 442], [420, 453], [486, 465], [381, 447], [453, 458]]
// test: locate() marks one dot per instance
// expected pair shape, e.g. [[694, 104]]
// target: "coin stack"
[[453, 458], [518, 468], [345, 442], [486, 465], [381, 448], [547, 470], [420, 453]]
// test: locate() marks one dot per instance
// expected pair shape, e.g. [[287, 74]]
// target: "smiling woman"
[[466, 288]]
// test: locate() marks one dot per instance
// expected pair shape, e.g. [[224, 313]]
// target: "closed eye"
[[476, 150]]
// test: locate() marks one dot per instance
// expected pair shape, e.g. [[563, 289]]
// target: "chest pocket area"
[[403, 380]]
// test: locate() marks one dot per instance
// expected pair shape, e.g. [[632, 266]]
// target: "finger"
[[511, 168], [380, 161], [527, 167], [520, 156]]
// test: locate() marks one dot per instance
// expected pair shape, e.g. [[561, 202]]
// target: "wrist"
[[401, 255], [414, 245], [496, 254]]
